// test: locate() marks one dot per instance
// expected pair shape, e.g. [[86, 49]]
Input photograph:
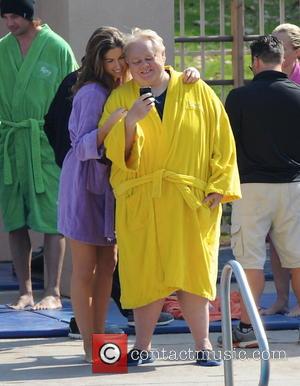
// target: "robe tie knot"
[[35, 126], [183, 183]]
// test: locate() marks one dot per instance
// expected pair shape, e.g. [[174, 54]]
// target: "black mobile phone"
[[145, 90]]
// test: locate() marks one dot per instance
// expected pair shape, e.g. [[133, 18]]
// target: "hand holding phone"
[[145, 90], [140, 108]]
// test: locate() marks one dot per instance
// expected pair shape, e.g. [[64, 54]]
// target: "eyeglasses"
[[250, 68]]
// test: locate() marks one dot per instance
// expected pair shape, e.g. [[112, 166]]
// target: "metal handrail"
[[260, 334]]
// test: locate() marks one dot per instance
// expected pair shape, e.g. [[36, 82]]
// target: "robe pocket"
[[207, 223], [236, 240], [47, 152], [97, 177], [137, 211]]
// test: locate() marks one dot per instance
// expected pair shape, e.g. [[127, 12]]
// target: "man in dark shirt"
[[265, 118]]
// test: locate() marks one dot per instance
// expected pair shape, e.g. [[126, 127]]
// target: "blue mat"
[[9, 282], [29, 324], [33, 324]]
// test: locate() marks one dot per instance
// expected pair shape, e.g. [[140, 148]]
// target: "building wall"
[[75, 20], [124, 15]]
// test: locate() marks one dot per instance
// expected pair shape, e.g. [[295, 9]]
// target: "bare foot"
[[49, 302], [295, 311], [23, 302], [276, 308], [88, 358]]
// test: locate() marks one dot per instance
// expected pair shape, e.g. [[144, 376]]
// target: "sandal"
[[136, 357], [207, 358]]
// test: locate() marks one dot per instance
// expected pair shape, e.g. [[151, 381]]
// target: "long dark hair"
[[92, 69]]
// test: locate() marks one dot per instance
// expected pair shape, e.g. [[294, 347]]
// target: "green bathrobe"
[[28, 174]]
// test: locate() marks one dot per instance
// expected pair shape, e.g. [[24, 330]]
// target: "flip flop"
[[207, 358]]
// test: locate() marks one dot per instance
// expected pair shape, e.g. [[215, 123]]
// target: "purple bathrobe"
[[86, 201]]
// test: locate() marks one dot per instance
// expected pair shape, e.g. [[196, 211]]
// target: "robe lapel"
[[167, 128], [172, 118], [26, 68]]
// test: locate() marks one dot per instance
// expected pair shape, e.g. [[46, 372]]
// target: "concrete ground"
[[59, 361]]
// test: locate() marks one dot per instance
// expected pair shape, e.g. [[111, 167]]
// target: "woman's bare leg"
[[102, 285], [84, 259]]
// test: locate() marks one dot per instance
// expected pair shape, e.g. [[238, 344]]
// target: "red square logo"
[[110, 353]]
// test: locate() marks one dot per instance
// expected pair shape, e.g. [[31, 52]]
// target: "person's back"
[[266, 128], [265, 117]]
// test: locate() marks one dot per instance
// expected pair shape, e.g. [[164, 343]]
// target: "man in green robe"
[[33, 62]]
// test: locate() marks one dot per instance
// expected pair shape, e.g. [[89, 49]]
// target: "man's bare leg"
[[54, 252], [282, 284], [196, 313], [20, 247], [145, 318], [256, 280], [295, 311]]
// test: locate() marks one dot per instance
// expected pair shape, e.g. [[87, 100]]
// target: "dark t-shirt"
[[265, 119], [160, 103]]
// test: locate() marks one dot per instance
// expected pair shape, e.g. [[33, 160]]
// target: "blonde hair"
[[144, 34], [292, 31]]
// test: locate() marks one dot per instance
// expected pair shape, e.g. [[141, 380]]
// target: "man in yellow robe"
[[173, 163]]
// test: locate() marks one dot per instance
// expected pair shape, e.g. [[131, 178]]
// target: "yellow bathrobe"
[[168, 239]]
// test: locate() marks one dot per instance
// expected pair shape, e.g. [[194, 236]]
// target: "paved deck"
[[59, 361]]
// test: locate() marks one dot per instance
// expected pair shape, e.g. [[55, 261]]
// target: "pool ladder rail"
[[254, 316]]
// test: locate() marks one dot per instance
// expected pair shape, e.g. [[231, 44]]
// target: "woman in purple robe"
[[86, 201]]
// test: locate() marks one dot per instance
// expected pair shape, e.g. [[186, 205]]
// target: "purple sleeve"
[[86, 112]]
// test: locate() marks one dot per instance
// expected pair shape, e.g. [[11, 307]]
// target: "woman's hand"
[[190, 75], [115, 117], [213, 200], [139, 110], [108, 124]]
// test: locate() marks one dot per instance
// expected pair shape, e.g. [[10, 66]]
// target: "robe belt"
[[182, 182], [34, 125]]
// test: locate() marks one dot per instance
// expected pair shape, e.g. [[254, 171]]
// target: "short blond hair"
[[292, 31], [144, 34]]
